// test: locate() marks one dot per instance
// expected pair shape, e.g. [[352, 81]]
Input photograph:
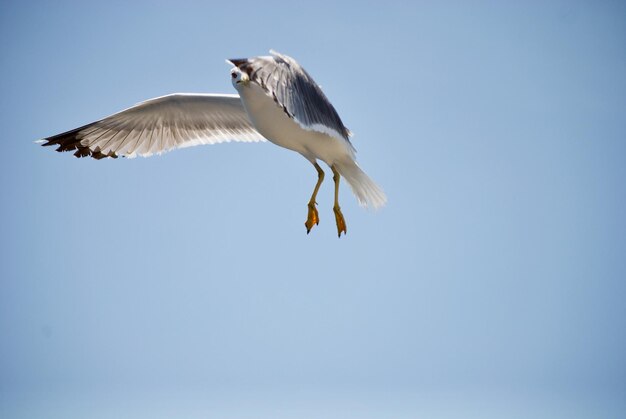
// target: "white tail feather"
[[366, 191]]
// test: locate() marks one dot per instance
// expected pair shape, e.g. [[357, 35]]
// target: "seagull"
[[277, 101]]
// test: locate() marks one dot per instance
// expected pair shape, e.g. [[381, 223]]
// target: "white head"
[[239, 78]]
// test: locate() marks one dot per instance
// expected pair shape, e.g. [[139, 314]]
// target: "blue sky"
[[184, 285]]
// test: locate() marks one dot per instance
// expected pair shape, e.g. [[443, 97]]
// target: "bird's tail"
[[368, 193]]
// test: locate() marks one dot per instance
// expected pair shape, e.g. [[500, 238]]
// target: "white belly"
[[274, 124]]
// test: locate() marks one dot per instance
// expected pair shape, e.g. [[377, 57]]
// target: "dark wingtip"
[[44, 143], [69, 141], [237, 62]]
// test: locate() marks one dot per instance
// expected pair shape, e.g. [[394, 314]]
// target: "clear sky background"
[[493, 284]]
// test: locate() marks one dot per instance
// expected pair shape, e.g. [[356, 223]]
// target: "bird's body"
[[275, 125], [277, 101]]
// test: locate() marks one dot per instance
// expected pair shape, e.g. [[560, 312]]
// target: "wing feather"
[[159, 125]]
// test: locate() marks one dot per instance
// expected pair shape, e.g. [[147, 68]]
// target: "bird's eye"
[[234, 75]]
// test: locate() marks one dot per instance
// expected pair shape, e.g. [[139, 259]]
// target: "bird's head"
[[239, 78]]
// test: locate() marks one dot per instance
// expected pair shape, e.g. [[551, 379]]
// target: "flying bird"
[[277, 100]]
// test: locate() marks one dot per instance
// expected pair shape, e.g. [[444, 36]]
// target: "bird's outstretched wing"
[[293, 89], [159, 125]]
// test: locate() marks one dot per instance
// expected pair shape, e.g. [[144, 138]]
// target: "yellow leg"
[[341, 222], [313, 217]]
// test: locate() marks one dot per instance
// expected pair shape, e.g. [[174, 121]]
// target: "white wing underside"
[[162, 124]]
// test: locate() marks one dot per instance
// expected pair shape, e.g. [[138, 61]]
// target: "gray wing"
[[159, 125], [293, 89]]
